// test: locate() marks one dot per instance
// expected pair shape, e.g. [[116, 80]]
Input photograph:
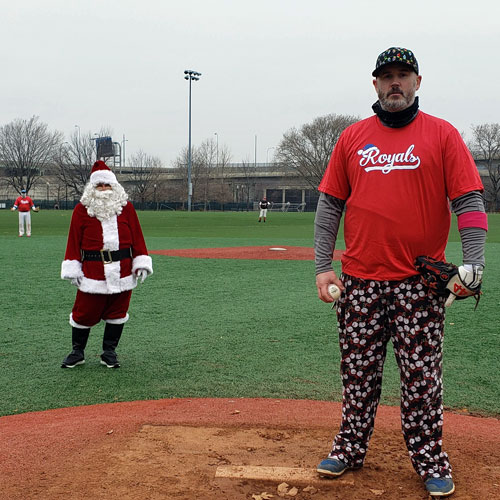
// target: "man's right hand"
[[323, 280]]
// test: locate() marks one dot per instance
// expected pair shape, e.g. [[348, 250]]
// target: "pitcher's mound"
[[223, 449]]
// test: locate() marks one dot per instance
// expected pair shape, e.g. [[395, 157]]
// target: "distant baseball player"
[[23, 205], [263, 205], [395, 174], [105, 257]]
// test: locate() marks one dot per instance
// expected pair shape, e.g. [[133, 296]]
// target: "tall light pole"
[[95, 138], [61, 147], [123, 150], [255, 157], [217, 149], [114, 156], [217, 167], [190, 75], [79, 139], [267, 154]]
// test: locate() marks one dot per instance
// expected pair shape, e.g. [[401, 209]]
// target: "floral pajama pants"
[[369, 314]]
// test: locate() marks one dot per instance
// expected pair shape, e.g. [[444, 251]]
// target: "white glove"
[[76, 281], [141, 274], [471, 277]]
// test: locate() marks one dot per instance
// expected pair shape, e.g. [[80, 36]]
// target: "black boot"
[[112, 334], [79, 337]]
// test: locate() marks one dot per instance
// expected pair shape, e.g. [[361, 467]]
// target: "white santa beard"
[[104, 204]]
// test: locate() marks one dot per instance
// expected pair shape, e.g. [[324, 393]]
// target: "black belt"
[[107, 256]]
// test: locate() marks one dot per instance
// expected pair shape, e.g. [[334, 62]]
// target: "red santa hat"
[[101, 174]]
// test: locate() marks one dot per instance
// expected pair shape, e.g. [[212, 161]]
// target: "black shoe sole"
[[116, 365], [72, 366]]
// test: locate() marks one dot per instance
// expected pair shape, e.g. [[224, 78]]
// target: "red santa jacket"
[[88, 233]]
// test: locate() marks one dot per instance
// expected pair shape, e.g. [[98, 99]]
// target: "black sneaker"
[[109, 359], [74, 358]]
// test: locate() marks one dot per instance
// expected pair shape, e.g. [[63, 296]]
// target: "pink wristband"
[[473, 219]]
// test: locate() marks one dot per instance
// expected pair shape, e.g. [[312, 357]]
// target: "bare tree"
[[308, 150], [145, 176], [207, 157], [248, 169], [207, 162], [74, 162], [197, 169], [27, 147], [223, 159], [485, 147]]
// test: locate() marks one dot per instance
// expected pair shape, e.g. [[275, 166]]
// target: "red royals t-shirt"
[[397, 183]]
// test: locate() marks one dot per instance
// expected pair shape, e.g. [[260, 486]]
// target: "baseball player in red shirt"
[[395, 174], [23, 205]]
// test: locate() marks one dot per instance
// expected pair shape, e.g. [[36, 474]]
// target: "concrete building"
[[236, 186]]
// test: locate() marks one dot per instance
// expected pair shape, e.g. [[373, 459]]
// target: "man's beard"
[[392, 105], [104, 204]]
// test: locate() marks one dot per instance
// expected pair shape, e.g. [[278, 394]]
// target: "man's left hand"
[[467, 283], [471, 275]]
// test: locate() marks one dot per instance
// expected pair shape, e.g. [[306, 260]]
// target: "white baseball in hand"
[[334, 291]]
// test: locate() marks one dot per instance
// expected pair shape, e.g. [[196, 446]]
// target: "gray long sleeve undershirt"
[[473, 238], [326, 226], [329, 212]]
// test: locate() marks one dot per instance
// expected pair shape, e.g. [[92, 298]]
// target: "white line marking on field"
[[272, 473]]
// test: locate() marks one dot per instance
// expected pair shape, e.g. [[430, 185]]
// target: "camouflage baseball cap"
[[396, 55]]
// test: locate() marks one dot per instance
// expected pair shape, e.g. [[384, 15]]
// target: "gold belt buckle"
[[109, 260]]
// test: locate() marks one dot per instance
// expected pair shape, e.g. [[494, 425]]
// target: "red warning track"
[[277, 252]]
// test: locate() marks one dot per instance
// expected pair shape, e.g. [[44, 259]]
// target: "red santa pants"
[[90, 308], [370, 313]]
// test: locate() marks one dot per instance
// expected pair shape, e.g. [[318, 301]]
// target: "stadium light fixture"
[[190, 75]]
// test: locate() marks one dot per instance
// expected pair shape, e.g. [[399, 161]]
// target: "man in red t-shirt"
[[23, 205], [395, 175]]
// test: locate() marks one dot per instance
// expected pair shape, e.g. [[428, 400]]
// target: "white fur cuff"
[[71, 269], [142, 262]]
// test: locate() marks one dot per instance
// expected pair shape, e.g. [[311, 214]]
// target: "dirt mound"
[[258, 253], [224, 449]]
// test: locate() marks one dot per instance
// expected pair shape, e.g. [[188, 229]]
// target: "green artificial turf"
[[212, 327]]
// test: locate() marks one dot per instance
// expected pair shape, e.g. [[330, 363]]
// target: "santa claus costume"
[[105, 256]]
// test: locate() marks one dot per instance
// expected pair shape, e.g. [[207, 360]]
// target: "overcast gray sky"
[[267, 65]]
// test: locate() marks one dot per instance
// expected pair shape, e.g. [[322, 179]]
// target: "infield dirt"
[[177, 448]]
